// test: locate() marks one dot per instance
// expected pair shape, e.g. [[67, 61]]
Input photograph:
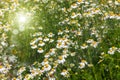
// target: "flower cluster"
[[80, 42]]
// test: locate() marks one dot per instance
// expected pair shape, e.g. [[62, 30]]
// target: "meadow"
[[59, 39]]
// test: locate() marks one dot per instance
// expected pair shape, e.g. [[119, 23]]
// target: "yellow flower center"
[[79, 0], [60, 57], [64, 70], [45, 60], [118, 1], [1, 67], [74, 4], [46, 65], [84, 44], [83, 61], [73, 14]]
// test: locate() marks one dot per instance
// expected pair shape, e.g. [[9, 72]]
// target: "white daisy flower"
[[52, 51], [52, 71], [2, 68], [39, 38], [21, 70], [74, 5], [34, 71], [84, 46], [65, 73], [89, 40], [47, 55], [28, 77], [112, 50], [60, 32], [61, 60], [47, 67], [50, 34], [15, 78], [94, 44], [8, 66], [73, 15], [81, 65], [45, 61], [40, 50], [51, 40], [34, 46], [46, 39], [80, 1], [73, 53], [41, 43]]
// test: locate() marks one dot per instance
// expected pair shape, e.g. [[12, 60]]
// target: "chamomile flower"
[[35, 72], [21, 70], [45, 61], [55, 64], [60, 32], [73, 54], [15, 78], [40, 38], [89, 40], [82, 64], [51, 78], [39, 34], [61, 59], [40, 50], [65, 55], [20, 77], [50, 34], [79, 33], [94, 44], [51, 40], [73, 15], [46, 39], [66, 30], [33, 46], [84, 61], [72, 65], [47, 55], [74, 5], [112, 50], [84, 46], [52, 51], [117, 2], [2, 68], [8, 66], [41, 43], [28, 77], [33, 41], [47, 67], [52, 71], [65, 73], [65, 50], [79, 1], [59, 45]]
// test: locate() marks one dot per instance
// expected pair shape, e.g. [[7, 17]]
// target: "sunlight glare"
[[22, 18]]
